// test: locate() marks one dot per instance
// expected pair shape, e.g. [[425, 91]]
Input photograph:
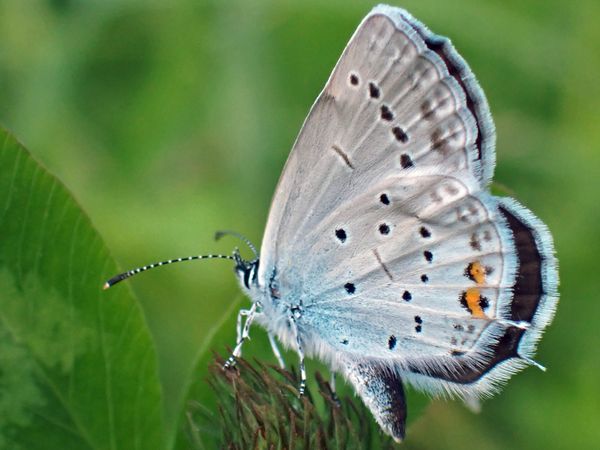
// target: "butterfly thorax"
[[273, 312]]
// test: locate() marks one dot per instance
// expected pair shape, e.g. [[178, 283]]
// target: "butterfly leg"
[[300, 355], [302, 370], [237, 351], [276, 351], [238, 327]]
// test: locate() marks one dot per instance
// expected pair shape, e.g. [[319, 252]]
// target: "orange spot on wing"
[[472, 297], [477, 272]]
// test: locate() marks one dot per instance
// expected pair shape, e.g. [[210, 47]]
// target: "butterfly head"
[[246, 270]]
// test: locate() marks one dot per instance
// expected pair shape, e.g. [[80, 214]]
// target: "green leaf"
[[195, 389], [77, 364]]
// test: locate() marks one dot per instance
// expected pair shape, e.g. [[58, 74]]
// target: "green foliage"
[[77, 365]]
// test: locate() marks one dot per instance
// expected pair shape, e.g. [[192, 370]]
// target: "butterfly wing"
[[391, 102], [382, 229]]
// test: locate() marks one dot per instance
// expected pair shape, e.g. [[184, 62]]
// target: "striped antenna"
[[241, 237], [122, 276]]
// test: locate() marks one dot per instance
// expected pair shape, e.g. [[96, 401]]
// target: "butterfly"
[[385, 255]]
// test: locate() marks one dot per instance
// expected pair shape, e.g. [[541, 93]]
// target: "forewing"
[[399, 98]]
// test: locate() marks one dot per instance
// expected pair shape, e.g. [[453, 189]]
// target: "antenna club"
[[220, 233]]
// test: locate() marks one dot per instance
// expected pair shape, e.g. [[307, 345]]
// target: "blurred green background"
[[169, 120]]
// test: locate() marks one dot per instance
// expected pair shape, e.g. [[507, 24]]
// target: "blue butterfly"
[[385, 255]]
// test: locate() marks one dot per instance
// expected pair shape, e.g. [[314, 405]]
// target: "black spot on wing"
[[484, 303], [384, 229], [350, 288], [386, 113], [475, 243], [392, 342], [400, 135], [419, 323], [374, 91], [405, 161], [341, 235]]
